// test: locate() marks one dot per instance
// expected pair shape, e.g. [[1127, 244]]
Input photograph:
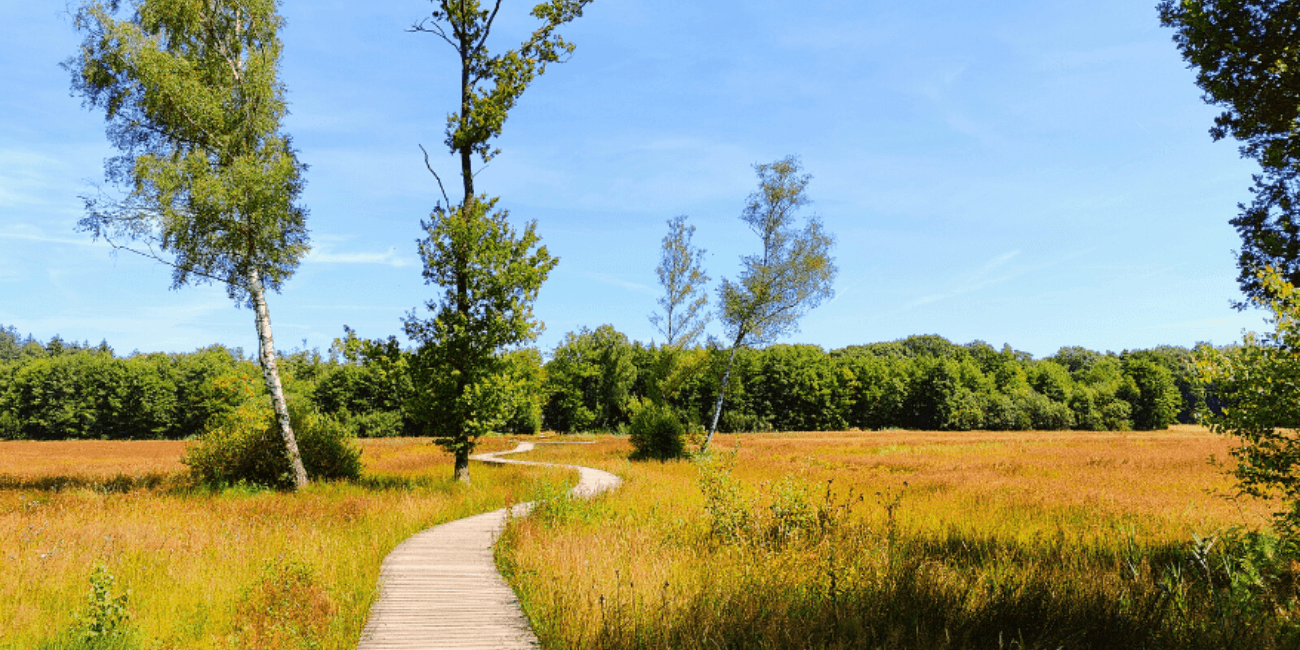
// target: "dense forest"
[[596, 379]]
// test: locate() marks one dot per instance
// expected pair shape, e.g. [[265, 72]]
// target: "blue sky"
[[1033, 173]]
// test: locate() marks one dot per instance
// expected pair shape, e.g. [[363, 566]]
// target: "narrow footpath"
[[440, 590]]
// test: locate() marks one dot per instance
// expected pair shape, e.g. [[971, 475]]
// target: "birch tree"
[[684, 312], [191, 93], [681, 274], [792, 274], [489, 273]]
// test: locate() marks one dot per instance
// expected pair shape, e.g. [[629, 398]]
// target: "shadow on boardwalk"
[[440, 589]]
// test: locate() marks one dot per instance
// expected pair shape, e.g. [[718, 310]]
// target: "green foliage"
[[1151, 392], [794, 271], [492, 84], [791, 275], [780, 513], [589, 380], [725, 501], [194, 104], [1232, 588], [366, 384], [1247, 62], [490, 275], [91, 395], [193, 101], [657, 433], [105, 623], [244, 447], [529, 396], [682, 276], [107, 613], [1257, 385], [802, 389]]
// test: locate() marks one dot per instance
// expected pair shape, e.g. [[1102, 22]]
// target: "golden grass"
[[194, 560], [90, 458], [1055, 514]]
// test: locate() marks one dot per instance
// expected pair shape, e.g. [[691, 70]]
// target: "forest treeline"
[[596, 379]]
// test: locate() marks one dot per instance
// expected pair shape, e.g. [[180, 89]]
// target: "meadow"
[[904, 539], [112, 533]]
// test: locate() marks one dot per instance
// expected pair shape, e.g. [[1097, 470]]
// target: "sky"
[[1033, 173]]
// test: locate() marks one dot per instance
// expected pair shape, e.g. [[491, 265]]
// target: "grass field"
[[904, 539], [236, 569]]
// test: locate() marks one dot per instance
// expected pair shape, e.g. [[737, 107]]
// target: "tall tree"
[[490, 274], [681, 274], [791, 275], [192, 96], [1247, 57]]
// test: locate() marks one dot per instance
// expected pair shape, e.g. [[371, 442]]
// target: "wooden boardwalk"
[[440, 589]]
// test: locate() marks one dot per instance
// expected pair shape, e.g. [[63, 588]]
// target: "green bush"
[[245, 446], [657, 433], [374, 424]]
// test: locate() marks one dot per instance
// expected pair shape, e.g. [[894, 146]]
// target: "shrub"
[[657, 433], [245, 446]]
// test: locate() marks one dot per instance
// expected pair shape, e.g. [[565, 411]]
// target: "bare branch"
[[155, 257], [418, 28], [435, 175], [488, 27]]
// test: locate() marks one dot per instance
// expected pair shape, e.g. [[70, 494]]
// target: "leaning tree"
[[792, 274], [208, 181]]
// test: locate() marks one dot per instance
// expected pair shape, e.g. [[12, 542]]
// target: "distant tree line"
[[597, 379]]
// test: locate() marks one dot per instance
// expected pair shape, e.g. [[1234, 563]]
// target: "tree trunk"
[[722, 393], [271, 373], [462, 465]]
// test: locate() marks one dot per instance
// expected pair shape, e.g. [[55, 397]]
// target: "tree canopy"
[[1247, 57]]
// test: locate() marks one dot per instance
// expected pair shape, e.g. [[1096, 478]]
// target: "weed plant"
[[830, 548]]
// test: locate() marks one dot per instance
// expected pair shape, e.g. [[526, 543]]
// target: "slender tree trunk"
[[722, 393], [271, 373]]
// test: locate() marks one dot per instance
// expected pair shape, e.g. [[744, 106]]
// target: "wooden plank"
[[440, 589]]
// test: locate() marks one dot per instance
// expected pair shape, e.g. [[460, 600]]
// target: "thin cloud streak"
[[389, 258]]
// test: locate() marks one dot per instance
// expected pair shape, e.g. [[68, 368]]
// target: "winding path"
[[440, 588]]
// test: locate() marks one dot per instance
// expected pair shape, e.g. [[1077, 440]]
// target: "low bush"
[[245, 446], [656, 432]]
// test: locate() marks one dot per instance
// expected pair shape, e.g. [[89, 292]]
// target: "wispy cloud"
[[996, 271], [619, 282], [847, 290], [24, 232], [387, 258]]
